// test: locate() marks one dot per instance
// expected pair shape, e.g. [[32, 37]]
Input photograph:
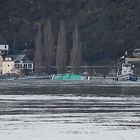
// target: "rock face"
[[107, 28]]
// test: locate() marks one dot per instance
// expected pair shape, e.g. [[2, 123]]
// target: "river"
[[73, 110]]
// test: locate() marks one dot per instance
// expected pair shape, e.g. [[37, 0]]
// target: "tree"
[[61, 56], [44, 51], [48, 46], [75, 58], [38, 51]]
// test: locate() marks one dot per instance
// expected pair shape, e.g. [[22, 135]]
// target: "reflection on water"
[[53, 110]]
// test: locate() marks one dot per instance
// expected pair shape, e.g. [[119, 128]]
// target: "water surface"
[[69, 110]]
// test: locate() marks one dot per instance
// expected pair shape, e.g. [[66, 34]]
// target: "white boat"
[[127, 74]]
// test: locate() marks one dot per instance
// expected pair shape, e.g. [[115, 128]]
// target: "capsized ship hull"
[[68, 77]]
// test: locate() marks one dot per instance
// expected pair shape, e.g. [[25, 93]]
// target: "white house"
[[24, 64], [4, 49]]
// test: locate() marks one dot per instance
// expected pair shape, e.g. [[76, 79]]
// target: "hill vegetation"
[[107, 28]]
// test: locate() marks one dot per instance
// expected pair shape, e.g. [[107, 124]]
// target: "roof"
[[18, 58], [22, 58]]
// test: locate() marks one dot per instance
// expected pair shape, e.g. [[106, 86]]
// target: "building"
[[24, 64], [1, 59], [17, 64], [8, 65], [4, 49]]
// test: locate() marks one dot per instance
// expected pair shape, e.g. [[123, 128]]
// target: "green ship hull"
[[68, 77]]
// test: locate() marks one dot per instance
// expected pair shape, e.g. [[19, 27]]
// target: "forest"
[[106, 28]]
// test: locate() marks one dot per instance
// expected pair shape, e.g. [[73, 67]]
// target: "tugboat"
[[127, 73]]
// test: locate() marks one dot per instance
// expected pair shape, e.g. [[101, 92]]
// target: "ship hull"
[[128, 77], [68, 77]]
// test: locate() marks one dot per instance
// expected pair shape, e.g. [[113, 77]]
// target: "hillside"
[[107, 27]]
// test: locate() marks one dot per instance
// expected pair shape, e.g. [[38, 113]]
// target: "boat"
[[67, 76], [127, 74]]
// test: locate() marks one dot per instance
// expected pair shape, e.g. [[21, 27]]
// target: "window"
[[25, 66], [29, 66]]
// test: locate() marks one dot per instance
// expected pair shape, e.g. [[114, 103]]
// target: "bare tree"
[[38, 53], [44, 51], [61, 56], [75, 58], [48, 46]]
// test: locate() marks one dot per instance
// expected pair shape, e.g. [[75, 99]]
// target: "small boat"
[[127, 73], [67, 76]]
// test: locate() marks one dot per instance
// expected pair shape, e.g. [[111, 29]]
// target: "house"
[[1, 59], [4, 49], [8, 65], [24, 64], [17, 64]]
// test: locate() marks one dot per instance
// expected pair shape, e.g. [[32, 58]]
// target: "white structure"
[[135, 58], [17, 64], [8, 66], [4, 49], [126, 69], [127, 73], [23, 63]]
